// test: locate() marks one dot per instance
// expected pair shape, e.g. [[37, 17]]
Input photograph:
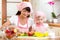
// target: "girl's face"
[[39, 19], [25, 13]]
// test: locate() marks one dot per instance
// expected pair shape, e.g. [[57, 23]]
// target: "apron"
[[22, 29], [41, 28]]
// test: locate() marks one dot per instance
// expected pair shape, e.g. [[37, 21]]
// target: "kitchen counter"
[[54, 24]]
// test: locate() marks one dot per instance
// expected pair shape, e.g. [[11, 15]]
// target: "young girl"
[[22, 19], [39, 25]]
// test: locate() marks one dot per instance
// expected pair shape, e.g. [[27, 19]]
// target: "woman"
[[21, 20]]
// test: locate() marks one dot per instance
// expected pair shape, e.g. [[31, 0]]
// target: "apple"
[[12, 32], [7, 31], [8, 34], [30, 33]]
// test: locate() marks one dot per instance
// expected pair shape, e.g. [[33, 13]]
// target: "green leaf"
[[53, 15]]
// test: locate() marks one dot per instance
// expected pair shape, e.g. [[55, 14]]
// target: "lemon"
[[46, 34], [38, 34]]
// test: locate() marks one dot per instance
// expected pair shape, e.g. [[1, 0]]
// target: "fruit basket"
[[10, 33]]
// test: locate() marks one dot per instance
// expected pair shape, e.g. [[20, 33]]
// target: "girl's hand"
[[30, 29]]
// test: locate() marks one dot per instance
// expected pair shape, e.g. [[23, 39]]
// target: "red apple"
[[8, 34], [12, 32], [7, 31], [30, 33]]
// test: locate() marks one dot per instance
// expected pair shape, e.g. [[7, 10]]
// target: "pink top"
[[22, 29]]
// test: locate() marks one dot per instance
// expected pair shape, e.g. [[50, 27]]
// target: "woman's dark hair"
[[18, 13], [27, 9]]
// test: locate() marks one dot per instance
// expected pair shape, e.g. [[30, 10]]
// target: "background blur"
[[10, 8], [41, 5]]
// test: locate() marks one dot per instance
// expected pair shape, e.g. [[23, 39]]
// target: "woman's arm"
[[9, 21], [6, 23]]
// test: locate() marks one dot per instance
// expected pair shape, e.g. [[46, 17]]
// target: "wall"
[[42, 5], [57, 7]]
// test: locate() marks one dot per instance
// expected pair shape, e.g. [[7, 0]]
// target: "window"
[[12, 7]]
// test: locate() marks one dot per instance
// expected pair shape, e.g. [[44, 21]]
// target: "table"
[[36, 38]]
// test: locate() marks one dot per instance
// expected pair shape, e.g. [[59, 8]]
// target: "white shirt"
[[14, 21]]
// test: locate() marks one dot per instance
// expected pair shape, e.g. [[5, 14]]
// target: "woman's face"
[[25, 13], [39, 19]]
